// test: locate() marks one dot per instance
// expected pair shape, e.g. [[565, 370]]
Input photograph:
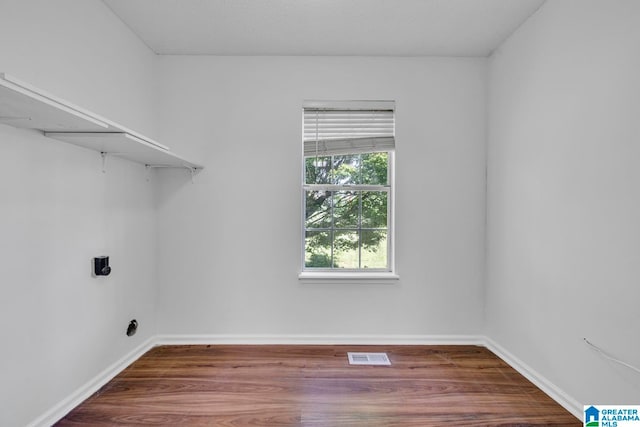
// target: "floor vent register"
[[369, 359]]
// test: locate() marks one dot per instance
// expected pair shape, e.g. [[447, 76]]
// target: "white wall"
[[564, 196], [59, 327], [230, 244]]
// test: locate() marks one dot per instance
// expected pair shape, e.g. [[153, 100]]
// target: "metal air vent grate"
[[369, 359]]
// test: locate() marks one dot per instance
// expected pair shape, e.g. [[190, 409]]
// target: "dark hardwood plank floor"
[[264, 385]]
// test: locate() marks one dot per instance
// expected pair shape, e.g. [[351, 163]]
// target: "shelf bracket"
[[147, 172], [103, 154], [192, 171]]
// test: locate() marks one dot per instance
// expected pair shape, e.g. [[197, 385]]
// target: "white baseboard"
[[62, 408], [553, 391], [322, 339]]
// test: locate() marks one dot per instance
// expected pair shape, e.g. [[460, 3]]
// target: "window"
[[348, 186]]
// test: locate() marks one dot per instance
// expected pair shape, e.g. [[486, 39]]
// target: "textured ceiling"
[[324, 27]]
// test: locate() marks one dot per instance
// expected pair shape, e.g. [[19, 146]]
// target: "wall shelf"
[[124, 145], [24, 106]]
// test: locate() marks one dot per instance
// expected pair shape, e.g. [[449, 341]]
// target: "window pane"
[[317, 249], [317, 170], [346, 169], [374, 249], [374, 209], [317, 209], [374, 168], [345, 249], [346, 207]]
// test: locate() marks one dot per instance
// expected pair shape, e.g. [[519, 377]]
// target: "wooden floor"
[[315, 386]]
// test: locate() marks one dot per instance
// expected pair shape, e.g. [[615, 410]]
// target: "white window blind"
[[347, 131]]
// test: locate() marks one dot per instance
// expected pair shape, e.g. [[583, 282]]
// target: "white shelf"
[[124, 145], [24, 106]]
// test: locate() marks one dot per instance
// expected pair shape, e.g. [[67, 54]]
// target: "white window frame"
[[362, 275]]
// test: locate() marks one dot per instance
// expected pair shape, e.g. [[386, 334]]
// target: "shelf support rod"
[[192, 171], [103, 154]]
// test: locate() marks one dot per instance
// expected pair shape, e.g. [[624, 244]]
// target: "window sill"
[[355, 277]]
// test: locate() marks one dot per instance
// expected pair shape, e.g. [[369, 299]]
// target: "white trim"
[[552, 390], [349, 187], [321, 339], [62, 408], [391, 214], [350, 105], [354, 276]]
